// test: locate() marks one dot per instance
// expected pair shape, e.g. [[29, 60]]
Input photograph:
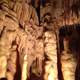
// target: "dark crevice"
[[18, 68], [3, 79], [37, 75], [2, 31], [37, 8]]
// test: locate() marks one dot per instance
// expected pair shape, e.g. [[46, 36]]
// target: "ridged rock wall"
[[23, 39], [51, 71]]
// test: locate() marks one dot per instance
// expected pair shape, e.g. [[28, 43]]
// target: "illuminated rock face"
[[15, 40], [28, 46], [25, 12], [3, 67], [7, 50], [51, 52], [20, 34], [68, 62]]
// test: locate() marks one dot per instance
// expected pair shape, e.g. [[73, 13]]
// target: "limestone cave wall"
[[39, 39]]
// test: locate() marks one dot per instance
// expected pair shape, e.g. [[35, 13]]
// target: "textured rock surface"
[[19, 40], [25, 12], [22, 39], [68, 62], [51, 53]]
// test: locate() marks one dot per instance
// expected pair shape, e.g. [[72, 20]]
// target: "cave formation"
[[39, 39]]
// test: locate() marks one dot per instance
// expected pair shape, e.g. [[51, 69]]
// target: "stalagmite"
[[51, 52], [68, 62]]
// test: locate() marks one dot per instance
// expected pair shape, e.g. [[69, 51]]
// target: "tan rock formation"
[[68, 62], [34, 45], [25, 12], [21, 34], [8, 35], [51, 52]]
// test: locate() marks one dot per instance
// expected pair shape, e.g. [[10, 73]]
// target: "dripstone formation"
[[32, 47]]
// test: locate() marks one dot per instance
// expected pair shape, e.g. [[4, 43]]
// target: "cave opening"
[[72, 33]]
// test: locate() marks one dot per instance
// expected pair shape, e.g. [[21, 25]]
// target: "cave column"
[[51, 72], [68, 62]]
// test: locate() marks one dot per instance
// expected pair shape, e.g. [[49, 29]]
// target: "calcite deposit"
[[69, 68], [37, 38], [50, 42]]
